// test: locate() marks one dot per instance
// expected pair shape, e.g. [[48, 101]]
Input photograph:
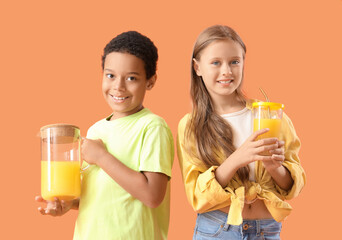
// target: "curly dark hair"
[[136, 44]]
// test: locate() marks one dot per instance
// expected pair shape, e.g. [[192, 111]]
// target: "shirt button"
[[245, 226]]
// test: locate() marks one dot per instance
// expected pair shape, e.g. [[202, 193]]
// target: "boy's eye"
[[235, 62], [109, 75], [131, 78]]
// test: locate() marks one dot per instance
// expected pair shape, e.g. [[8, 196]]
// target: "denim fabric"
[[212, 225]]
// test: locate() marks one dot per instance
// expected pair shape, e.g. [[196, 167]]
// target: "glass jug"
[[60, 162], [267, 115]]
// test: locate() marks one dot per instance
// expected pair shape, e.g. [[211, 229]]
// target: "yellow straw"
[[268, 108], [265, 95]]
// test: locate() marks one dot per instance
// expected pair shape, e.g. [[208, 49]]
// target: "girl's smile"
[[226, 81], [220, 65]]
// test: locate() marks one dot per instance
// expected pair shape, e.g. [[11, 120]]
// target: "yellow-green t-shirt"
[[143, 142]]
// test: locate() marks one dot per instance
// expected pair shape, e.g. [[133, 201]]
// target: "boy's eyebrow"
[[110, 70], [135, 73]]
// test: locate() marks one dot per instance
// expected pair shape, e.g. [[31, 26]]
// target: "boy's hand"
[[93, 150], [54, 208]]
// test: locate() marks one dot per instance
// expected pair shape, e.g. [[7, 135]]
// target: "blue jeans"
[[212, 225]]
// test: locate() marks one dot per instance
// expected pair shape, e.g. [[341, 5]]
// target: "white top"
[[242, 126]]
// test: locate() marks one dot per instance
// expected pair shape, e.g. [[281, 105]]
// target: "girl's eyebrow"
[[232, 57], [237, 57]]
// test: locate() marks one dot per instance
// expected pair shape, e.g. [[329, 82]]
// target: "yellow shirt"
[[205, 194]]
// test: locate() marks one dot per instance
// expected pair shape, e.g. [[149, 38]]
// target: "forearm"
[[281, 177], [135, 183], [225, 172]]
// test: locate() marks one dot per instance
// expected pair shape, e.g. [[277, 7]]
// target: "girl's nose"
[[226, 70]]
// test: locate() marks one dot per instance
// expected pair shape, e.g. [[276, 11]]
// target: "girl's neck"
[[229, 104]]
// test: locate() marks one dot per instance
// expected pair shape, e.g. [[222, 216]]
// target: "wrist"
[[272, 168], [233, 163], [275, 170], [103, 158], [225, 171], [75, 203]]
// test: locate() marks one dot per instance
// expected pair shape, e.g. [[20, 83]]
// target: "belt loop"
[[258, 227], [226, 227]]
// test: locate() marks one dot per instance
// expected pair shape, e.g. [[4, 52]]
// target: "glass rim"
[[272, 105]]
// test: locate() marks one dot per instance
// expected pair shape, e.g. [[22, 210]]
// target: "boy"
[[125, 189]]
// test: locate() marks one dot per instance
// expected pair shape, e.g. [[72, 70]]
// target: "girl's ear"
[[196, 67], [151, 82]]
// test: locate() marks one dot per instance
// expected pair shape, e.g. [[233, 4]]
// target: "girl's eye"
[[235, 62], [131, 78], [216, 63], [109, 75]]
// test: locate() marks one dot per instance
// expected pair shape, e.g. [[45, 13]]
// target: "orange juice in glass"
[[60, 162], [267, 115]]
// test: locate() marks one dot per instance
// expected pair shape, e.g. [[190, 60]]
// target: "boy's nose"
[[119, 84]]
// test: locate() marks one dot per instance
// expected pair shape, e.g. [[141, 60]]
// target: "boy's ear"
[[196, 67], [151, 82]]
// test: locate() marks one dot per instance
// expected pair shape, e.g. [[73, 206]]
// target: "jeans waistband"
[[247, 226]]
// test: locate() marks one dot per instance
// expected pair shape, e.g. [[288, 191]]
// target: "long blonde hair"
[[213, 135]]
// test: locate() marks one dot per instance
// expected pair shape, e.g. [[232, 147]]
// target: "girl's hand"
[[278, 157], [54, 208], [251, 150], [92, 150]]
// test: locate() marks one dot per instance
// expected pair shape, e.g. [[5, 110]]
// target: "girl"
[[237, 192]]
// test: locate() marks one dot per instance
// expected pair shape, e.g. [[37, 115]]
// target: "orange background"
[[50, 72]]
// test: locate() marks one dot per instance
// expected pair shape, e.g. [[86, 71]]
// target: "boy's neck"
[[117, 115]]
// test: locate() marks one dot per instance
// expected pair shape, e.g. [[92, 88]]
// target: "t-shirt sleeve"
[[92, 132], [157, 150]]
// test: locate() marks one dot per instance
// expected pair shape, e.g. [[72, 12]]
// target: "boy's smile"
[[124, 83]]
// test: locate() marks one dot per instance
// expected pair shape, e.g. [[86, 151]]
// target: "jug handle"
[[83, 169], [81, 162]]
